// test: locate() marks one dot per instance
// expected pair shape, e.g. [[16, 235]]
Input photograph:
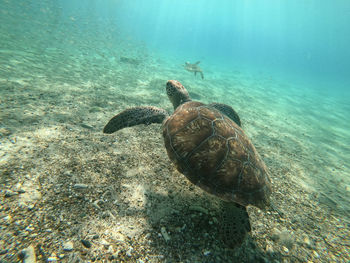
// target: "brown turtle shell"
[[214, 153]]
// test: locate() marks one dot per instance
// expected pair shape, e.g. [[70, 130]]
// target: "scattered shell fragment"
[[285, 250], [68, 246], [307, 241]]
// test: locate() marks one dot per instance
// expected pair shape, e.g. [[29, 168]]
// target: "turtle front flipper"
[[235, 224], [135, 116], [228, 111]]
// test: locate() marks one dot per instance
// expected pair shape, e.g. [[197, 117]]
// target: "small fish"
[[194, 68]]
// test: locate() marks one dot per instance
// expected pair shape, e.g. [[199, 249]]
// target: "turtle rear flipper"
[[201, 74], [235, 224], [135, 116], [228, 111]]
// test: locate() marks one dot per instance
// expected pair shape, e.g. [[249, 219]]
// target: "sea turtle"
[[194, 68], [207, 145]]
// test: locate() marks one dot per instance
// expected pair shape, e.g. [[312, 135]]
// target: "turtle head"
[[177, 93]]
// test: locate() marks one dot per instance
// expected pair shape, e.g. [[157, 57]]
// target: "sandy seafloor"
[[63, 180]]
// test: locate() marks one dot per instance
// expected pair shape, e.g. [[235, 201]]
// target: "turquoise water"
[[294, 38], [284, 66]]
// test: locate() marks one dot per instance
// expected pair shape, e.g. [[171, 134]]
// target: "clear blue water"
[[298, 39], [291, 59]]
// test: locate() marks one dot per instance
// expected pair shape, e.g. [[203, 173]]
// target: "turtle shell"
[[214, 153]]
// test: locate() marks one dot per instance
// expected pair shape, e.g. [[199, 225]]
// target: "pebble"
[[307, 241], [115, 255], [28, 255], [68, 246], [119, 237], [285, 250], [269, 249], [206, 253], [165, 234], [103, 242], [67, 173], [7, 219], [347, 188], [199, 209], [86, 243], [128, 253], [316, 254], [29, 228], [80, 186], [5, 131], [52, 258], [95, 204], [86, 126], [9, 193], [18, 188]]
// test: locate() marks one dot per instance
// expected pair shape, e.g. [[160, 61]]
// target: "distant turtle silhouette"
[[207, 145], [194, 68]]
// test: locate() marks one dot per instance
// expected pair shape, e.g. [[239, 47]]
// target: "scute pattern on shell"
[[214, 153]]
